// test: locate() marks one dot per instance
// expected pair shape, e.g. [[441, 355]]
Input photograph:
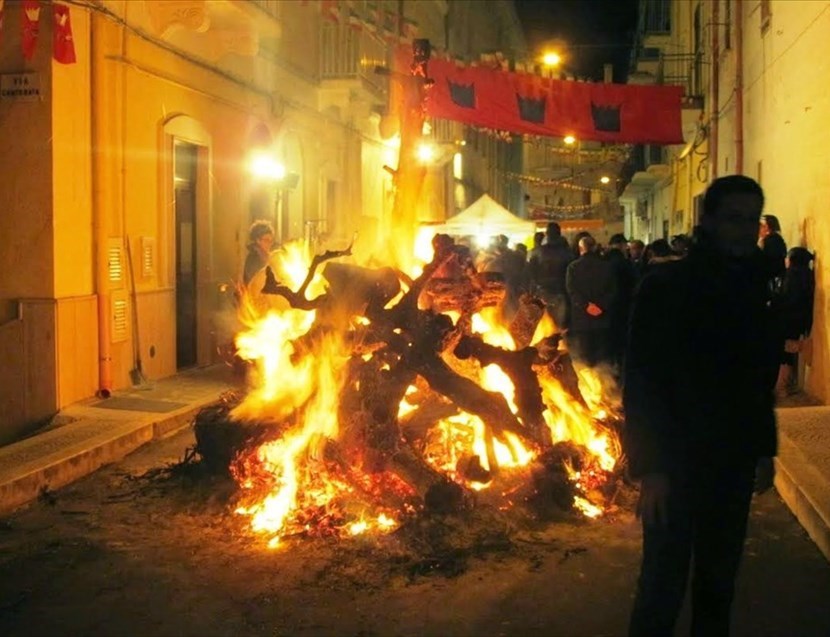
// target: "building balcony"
[[689, 70], [348, 58]]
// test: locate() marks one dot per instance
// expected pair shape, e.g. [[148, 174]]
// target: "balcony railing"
[[655, 17], [346, 53], [271, 7], [688, 70]]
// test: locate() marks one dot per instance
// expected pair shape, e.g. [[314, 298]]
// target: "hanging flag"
[[530, 104], [63, 46], [31, 27], [1, 16]]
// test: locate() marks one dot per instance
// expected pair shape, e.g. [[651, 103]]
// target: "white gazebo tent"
[[484, 219]]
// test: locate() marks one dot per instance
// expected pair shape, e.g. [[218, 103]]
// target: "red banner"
[[63, 48], [530, 104]]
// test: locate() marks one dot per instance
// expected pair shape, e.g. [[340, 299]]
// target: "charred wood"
[[524, 323], [519, 367]]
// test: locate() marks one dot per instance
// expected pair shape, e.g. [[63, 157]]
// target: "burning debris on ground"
[[378, 400]]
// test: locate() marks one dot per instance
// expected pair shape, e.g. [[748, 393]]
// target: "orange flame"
[[301, 381]]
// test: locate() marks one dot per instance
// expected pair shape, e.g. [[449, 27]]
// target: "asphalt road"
[[127, 552]]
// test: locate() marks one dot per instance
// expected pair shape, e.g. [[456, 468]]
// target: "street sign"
[[21, 87]]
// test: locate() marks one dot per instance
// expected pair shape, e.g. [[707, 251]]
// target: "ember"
[[381, 397]]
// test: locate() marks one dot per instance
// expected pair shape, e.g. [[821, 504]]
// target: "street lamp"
[[266, 169], [426, 152], [551, 58], [264, 166], [570, 140], [604, 180]]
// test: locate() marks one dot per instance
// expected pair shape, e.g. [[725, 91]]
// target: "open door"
[[185, 164]]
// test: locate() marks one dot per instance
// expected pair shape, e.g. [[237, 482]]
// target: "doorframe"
[[183, 128]]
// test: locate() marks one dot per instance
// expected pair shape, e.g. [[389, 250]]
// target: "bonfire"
[[376, 397]]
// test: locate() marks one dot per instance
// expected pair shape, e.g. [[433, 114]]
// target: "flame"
[[487, 325], [283, 456], [568, 420], [545, 328], [298, 381], [405, 407]]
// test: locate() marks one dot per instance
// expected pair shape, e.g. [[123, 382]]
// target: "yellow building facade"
[[754, 70], [128, 181]]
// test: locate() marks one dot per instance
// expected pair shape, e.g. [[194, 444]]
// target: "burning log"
[[523, 327], [466, 295], [440, 494], [519, 367], [551, 481], [415, 425], [492, 408], [558, 364], [298, 299], [360, 291], [219, 439]]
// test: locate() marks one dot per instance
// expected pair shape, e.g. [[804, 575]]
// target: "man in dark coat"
[[592, 288], [547, 274], [626, 280], [700, 426]]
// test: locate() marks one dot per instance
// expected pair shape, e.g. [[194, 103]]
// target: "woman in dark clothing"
[[772, 245], [261, 239], [793, 306]]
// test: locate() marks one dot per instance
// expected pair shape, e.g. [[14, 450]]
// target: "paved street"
[[130, 550]]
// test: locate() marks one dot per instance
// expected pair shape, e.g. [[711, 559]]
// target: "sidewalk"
[[97, 432], [103, 431], [803, 466]]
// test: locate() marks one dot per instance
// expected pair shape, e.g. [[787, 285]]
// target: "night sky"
[[591, 32]]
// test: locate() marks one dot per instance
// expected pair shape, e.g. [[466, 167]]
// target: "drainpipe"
[[713, 118], [739, 87], [98, 87]]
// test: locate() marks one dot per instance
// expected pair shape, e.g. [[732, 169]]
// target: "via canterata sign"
[[22, 87]]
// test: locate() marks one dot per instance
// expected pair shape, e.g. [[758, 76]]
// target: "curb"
[[53, 473], [795, 479]]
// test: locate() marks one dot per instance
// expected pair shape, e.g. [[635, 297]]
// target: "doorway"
[[185, 157]]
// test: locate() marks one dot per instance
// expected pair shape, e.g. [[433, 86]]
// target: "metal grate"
[[120, 318], [115, 261], [148, 257]]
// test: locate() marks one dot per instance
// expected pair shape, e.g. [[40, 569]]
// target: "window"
[[658, 16], [766, 15]]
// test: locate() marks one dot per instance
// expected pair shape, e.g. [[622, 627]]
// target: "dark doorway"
[[185, 162]]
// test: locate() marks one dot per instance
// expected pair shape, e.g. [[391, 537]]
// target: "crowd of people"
[[699, 330], [587, 288]]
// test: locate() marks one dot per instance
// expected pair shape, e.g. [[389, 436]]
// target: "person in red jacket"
[[700, 428]]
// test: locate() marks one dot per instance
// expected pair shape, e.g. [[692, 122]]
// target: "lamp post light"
[[604, 179], [426, 152], [265, 168], [551, 58]]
